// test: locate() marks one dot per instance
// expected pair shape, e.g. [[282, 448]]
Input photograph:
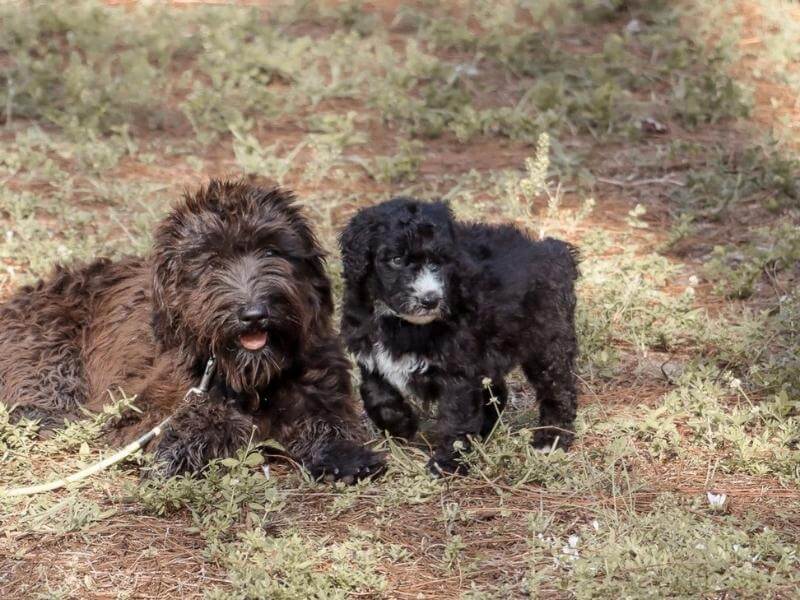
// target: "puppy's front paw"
[[442, 466], [397, 423], [347, 461], [547, 440]]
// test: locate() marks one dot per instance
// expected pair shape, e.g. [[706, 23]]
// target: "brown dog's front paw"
[[200, 434], [347, 461]]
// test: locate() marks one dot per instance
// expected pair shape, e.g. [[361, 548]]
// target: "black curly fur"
[[503, 300]]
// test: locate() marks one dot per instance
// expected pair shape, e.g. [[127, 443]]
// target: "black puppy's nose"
[[253, 313], [430, 300]]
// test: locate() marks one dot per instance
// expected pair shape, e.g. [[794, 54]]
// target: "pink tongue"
[[253, 341]]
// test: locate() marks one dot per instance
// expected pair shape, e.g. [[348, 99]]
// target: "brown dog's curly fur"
[[231, 263]]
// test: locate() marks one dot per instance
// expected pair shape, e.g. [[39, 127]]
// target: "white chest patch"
[[396, 370]]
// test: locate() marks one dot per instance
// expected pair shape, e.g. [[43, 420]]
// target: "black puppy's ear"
[[443, 216], [357, 243]]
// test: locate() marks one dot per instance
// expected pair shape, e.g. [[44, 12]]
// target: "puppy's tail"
[[565, 254]]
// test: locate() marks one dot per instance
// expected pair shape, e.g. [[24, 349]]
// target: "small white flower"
[[467, 70], [736, 383], [486, 381], [693, 280], [573, 540], [633, 27], [571, 552], [716, 500]]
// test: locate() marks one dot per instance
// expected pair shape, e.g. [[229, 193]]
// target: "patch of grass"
[[629, 307], [595, 88], [229, 491], [292, 565], [671, 551], [745, 436], [767, 175], [739, 270], [90, 67], [402, 166]]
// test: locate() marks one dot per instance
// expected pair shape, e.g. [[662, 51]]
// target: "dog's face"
[[403, 255], [239, 273]]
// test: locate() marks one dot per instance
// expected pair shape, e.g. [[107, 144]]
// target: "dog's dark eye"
[[269, 252], [434, 267], [397, 262]]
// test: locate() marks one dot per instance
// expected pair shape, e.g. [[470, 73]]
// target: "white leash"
[[118, 456]]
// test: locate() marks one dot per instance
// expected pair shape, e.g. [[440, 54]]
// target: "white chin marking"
[[418, 319]]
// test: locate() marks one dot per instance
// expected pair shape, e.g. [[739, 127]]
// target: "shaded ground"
[[660, 164]]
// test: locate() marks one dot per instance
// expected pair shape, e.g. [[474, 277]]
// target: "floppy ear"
[[165, 276], [315, 266], [357, 243], [313, 253], [163, 319]]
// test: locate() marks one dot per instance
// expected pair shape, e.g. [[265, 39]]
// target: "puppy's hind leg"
[[550, 372], [386, 406]]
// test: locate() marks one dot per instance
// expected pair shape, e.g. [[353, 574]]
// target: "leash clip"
[[205, 382]]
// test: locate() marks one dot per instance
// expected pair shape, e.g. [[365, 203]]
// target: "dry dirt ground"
[[660, 137]]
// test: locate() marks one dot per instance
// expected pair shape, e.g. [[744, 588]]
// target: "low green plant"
[[292, 565], [669, 551], [402, 166], [765, 175], [739, 270], [230, 491]]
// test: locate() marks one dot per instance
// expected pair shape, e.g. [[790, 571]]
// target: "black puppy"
[[433, 306]]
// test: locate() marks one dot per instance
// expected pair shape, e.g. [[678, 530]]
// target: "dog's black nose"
[[253, 313], [430, 300]]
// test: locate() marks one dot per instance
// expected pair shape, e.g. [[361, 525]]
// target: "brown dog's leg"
[[42, 379], [320, 426], [202, 429]]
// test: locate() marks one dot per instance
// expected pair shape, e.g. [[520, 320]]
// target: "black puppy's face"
[[414, 262]]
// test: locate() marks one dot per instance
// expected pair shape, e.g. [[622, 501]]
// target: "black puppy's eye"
[[434, 267], [397, 262], [268, 252]]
